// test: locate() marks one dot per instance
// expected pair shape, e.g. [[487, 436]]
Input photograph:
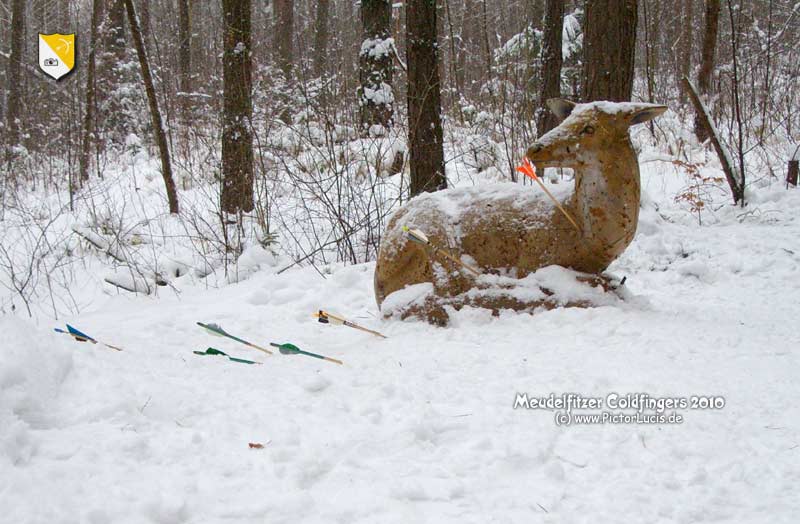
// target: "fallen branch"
[[731, 174]]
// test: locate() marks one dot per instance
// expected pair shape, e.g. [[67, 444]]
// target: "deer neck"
[[606, 198]]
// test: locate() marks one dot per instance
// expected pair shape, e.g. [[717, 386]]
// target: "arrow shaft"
[[558, 205], [232, 337], [454, 259]]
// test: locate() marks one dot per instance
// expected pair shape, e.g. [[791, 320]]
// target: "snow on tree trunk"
[[375, 96]]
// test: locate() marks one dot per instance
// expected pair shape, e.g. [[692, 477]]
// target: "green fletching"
[[216, 352]]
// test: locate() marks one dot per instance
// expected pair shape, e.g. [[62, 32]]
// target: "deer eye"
[[588, 130]]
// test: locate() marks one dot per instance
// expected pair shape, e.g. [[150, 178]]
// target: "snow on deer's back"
[[513, 229]]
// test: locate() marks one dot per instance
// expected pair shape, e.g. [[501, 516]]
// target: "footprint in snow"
[[317, 384]]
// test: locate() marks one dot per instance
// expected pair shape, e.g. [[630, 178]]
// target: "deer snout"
[[535, 148]]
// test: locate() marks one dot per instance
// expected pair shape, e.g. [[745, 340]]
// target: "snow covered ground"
[[420, 427]]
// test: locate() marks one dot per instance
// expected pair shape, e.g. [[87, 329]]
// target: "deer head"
[[587, 131]]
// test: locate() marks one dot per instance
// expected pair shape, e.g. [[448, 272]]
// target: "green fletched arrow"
[[291, 349], [217, 330], [216, 352]]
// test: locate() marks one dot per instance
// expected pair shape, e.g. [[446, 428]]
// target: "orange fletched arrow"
[[527, 169]]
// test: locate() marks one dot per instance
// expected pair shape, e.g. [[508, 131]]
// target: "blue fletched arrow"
[[80, 336]]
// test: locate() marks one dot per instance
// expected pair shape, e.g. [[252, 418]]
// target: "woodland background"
[[299, 126]]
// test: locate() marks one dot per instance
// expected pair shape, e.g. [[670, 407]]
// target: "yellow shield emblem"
[[56, 54]]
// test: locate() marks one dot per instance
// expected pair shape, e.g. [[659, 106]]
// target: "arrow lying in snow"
[[329, 318], [212, 351], [83, 337], [415, 235], [217, 330], [285, 349], [291, 349]]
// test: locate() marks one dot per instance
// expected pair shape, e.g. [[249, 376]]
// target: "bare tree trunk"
[[375, 97], [737, 105], [321, 37], [707, 60], [184, 58], [155, 113], [237, 140], [551, 64], [89, 136], [284, 31], [424, 99], [609, 47], [144, 17], [791, 172], [14, 76], [114, 34], [687, 30]]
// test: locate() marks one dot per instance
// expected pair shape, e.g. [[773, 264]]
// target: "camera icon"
[[51, 62]]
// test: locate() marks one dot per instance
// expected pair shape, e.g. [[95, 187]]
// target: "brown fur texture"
[[515, 229]]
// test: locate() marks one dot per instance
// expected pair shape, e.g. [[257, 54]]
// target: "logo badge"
[[56, 54]]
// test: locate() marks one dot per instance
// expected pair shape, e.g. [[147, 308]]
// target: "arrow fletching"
[[527, 169], [328, 318], [291, 349], [214, 329], [79, 334], [415, 235]]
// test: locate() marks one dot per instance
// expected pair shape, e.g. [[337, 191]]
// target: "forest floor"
[[421, 426]]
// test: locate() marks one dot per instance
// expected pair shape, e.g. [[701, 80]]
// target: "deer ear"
[[560, 107], [639, 115]]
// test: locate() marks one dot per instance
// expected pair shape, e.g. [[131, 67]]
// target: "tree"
[[424, 99], [184, 56], [284, 31], [375, 97], [321, 37], [707, 60], [687, 31], [89, 135], [609, 46], [155, 112], [551, 64], [237, 140], [14, 76], [114, 76]]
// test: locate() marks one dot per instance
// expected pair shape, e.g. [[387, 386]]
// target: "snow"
[[419, 427], [381, 96], [377, 48]]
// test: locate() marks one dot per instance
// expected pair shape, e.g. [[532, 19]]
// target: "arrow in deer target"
[[217, 330], [415, 235], [329, 318], [83, 337], [529, 171], [291, 349]]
